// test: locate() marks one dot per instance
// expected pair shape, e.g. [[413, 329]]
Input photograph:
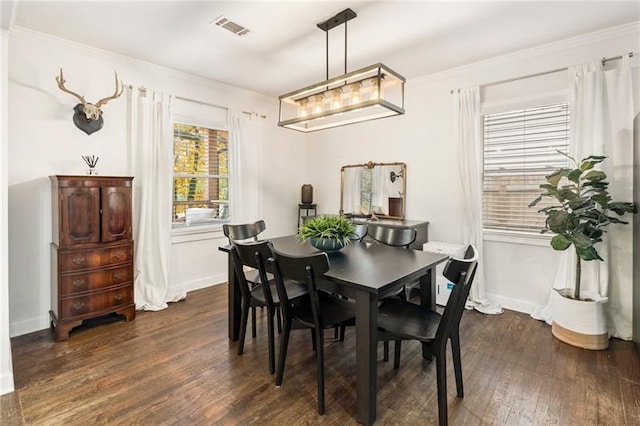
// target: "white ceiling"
[[285, 50]]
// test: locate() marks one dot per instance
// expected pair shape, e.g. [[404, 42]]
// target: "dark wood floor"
[[177, 367]]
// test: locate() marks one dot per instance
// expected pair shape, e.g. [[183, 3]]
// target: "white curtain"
[[245, 147], [150, 143], [602, 124], [351, 197], [379, 201], [468, 136]]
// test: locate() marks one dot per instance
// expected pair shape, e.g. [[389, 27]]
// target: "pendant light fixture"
[[369, 93]]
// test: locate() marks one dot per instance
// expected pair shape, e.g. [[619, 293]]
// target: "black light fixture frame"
[[336, 20]]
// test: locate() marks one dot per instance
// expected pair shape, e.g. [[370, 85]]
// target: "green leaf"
[[560, 242], [554, 178], [621, 208], [559, 222], [536, 201], [595, 175], [574, 175], [590, 161], [581, 241], [589, 253], [601, 198]]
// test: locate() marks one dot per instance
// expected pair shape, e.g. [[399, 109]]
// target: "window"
[[520, 149], [200, 175]]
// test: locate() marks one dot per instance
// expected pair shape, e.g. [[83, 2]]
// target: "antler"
[[60, 79], [115, 95]]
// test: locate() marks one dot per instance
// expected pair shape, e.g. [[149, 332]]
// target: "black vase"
[[307, 194]]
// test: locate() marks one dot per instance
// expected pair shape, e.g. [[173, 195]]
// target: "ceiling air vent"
[[229, 25]]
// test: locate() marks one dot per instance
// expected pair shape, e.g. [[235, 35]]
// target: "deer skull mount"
[[87, 116]]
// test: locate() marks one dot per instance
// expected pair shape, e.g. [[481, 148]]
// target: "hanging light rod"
[[369, 93]]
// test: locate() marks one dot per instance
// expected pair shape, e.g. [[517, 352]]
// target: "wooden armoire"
[[91, 250]]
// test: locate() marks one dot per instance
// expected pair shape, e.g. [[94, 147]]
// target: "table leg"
[[234, 302], [366, 355], [428, 300], [428, 289]]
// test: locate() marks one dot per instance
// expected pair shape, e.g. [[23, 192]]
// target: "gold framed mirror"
[[373, 189]]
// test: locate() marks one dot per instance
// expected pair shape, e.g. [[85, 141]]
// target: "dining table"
[[364, 272]]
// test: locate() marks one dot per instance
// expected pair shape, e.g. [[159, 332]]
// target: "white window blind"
[[520, 149]]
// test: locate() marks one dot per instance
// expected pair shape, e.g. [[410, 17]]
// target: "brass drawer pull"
[[78, 306], [78, 283], [119, 276], [118, 256], [78, 260], [118, 297]]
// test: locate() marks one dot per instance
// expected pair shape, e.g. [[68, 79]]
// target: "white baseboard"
[[6, 383], [29, 326], [199, 283], [518, 305]]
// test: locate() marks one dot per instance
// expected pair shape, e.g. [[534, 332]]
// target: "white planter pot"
[[580, 323]]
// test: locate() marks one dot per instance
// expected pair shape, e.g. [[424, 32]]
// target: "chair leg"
[[320, 369], [441, 378], [253, 322], [397, 347], [244, 316], [313, 340], [279, 315], [336, 332], [457, 363], [272, 349], [342, 331], [385, 345], [282, 356]]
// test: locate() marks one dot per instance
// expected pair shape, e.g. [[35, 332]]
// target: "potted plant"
[[327, 233], [584, 208]]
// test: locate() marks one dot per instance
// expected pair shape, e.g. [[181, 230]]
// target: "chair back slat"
[[254, 255], [461, 272], [391, 236], [302, 269], [359, 231], [243, 231]]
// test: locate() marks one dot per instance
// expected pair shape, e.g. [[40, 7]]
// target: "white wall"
[[518, 273], [43, 141]]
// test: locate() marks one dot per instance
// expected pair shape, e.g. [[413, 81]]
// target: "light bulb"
[[302, 107], [355, 93], [317, 106], [336, 101]]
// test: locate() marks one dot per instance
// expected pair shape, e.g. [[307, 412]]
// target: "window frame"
[[200, 231]]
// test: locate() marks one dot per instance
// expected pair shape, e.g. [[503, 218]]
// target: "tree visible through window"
[[200, 175], [520, 149]]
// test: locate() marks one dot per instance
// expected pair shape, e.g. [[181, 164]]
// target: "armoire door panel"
[[116, 213], [80, 215]]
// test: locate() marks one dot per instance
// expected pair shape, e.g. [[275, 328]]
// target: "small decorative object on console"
[[307, 194], [91, 162]]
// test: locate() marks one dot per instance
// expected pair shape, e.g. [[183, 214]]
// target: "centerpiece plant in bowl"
[[583, 208], [327, 233]]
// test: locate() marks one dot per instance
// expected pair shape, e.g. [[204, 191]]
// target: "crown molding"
[[27, 34], [632, 28]]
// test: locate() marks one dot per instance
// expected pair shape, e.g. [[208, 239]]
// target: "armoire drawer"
[[85, 259], [95, 280], [95, 302]]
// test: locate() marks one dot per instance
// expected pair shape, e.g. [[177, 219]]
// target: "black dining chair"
[[245, 232], [317, 312], [400, 320], [359, 231], [253, 254], [395, 237]]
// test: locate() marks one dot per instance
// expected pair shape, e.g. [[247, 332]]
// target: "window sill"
[[514, 237], [196, 233]]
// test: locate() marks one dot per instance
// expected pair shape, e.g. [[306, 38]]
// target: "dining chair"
[[395, 237], [253, 254], [400, 320], [317, 312], [244, 232], [359, 231]]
